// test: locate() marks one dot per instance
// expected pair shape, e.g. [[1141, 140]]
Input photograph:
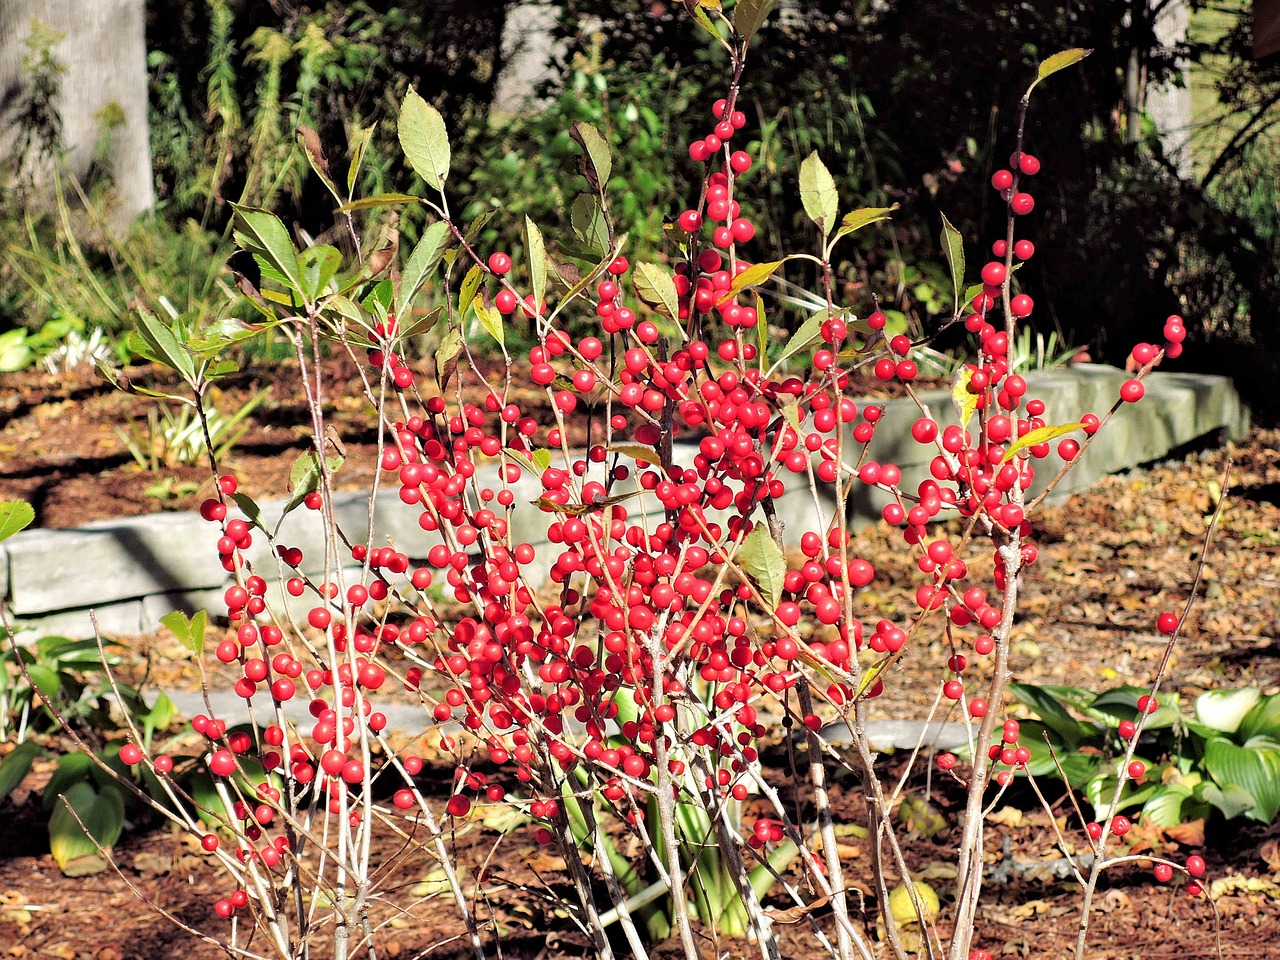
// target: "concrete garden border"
[[132, 572]]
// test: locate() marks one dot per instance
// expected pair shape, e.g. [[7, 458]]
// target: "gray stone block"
[[106, 562], [114, 619]]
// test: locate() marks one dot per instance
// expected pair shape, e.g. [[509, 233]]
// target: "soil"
[[1110, 560], [64, 446]]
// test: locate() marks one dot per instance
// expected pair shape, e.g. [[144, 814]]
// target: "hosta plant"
[[1221, 758]]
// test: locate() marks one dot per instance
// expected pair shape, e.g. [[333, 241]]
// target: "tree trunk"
[[102, 100]]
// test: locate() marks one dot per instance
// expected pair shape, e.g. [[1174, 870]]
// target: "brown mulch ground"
[[1111, 559]]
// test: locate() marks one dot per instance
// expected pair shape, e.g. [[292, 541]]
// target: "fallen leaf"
[[1006, 817], [1190, 834], [150, 865]]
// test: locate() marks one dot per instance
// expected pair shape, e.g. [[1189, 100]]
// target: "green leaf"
[[589, 226], [818, 193], [189, 631], [962, 398], [597, 162], [45, 679], [359, 143], [161, 713], [763, 561], [638, 452], [1230, 801], [15, 515], [319, 265], [263, 235], [536, 251], [491, 320], [380, 200], [309, 140], [102, 815], [1039, 435], [810, 332], [164, 346], [1225, 710], [1264, 718], [748, 15], [15, 767], [656, 287], [857, 219], [470, 284], [304, 477], [249, 507], [422, 261], [953, 248], [424, 140], [1052, 714], [447, 355], [422, 323], [1059, 61], [700, 17], [1121, 703], [762, 335], [1254, 766], [753, 276], [1164, 807]]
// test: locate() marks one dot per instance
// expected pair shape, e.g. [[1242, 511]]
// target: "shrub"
[[620, 675]]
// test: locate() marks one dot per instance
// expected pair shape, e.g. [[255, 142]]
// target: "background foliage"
[[902, 100]]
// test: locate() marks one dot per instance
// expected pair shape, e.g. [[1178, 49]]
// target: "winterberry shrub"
[[608, 613]]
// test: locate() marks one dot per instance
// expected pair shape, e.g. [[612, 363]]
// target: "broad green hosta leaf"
[[1264, 718], [101, 813], [16, 765], [1225, 710], [1052, 713], [1164, 807], [1254, 766]]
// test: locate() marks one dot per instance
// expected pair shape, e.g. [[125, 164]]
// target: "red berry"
[[130, 754], [1195, 865], [1002, 179], [1163, 872], [1022, 203], [499, 263], [1132, 391], [1120, 825], [1167, 623], [1028, 164]]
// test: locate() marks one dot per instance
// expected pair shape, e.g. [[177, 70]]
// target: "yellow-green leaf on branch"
[[1039, 435]]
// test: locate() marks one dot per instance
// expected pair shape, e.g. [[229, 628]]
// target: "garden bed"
[[1111, 558]]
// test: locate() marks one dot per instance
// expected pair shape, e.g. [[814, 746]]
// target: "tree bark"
[[102, 100]]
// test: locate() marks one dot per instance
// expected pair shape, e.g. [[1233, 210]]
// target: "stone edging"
[[131, 572]]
